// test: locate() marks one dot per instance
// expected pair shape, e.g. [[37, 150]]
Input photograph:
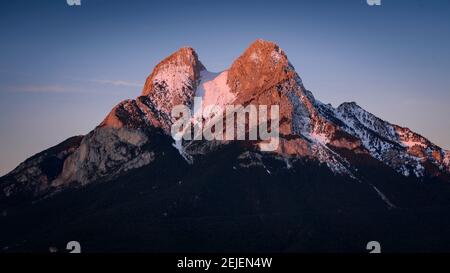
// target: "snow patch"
[[178, 144], [319, 137], [174, 77], [255, 57], [276, 56], [412, 143], [214, 89], [383, 197], [381, 139]]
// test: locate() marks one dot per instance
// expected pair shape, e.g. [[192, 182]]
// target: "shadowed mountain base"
[[220, 205]]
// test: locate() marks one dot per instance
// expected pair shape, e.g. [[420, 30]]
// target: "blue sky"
[[63, 68]]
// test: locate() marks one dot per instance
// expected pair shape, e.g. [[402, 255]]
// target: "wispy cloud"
[[43, 88], [118, 83], [67, 88]]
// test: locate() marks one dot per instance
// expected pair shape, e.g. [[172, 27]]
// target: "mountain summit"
[[260, 67], [262, 75], [341, 160]]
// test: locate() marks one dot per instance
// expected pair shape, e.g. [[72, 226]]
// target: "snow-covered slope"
[[214, 90], [262, 75], [407, 152]]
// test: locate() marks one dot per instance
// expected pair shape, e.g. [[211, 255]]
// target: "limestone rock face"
[[105, 153], [262, 66], [309, 129], [35, 175], [339, 177], [174, 80]]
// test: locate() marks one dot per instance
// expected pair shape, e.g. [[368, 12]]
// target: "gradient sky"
[[63, 68]]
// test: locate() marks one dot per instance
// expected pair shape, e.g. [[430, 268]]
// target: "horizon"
[[391, 60]]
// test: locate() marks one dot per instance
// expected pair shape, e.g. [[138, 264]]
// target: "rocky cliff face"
[[398, 147], [35, 175], [339, 174], [262, 75], [174, 81]]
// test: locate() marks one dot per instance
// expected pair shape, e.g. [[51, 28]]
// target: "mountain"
[[339, 178]]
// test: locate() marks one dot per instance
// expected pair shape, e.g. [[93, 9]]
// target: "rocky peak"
[[174, 81], [262, 65], [262, 75], [348, 105], [181, 65]]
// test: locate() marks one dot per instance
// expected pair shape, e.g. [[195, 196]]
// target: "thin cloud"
[[45, 88], [118, 83], [61, 88]]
